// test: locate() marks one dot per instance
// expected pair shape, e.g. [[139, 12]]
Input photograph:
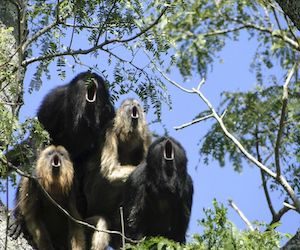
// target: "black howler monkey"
[[76, 113], [158, 194]]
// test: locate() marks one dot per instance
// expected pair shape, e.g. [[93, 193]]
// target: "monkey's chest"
[[56, 224], [131, 152], [162, 216]]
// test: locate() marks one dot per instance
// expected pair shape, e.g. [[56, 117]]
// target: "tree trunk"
[[292, 9], [12, 15]]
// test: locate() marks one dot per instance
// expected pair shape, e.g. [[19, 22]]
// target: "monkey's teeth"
[[90, 100], [56, 165], [134, 113], [136, 116], [168, 152], [95, 87]]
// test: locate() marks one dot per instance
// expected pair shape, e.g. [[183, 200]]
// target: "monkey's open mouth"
[[168, 152], [56, 161], [91, 91], [134, 113]]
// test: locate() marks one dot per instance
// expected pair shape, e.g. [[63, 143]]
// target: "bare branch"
[[201, 83], [122, 228], [262, 174], [171, 81], [282, 119], [266, 191], [193, 122], [240, 213], [96, 47], [289, 206], [286, 39], [223, 114], [280, 179], [277, 216]]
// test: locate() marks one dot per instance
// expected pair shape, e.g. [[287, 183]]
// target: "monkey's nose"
[[134, 113]]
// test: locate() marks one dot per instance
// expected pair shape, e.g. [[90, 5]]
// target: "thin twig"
[[291, 30], [266, 191], [282, 119], [289, 206], [279, 214], [201, 83], [193, 122], [122, 228], [262, 174], [286, 39], [105, 22], [240, 213]]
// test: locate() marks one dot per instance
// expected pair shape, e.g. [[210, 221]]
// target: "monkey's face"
[[131, 113], [55, 159], [89, 99], [167, 161], [54, 167]]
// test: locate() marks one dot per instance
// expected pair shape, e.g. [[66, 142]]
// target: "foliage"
[[254, 117], [106, 28], [133, 39], [219, 233]]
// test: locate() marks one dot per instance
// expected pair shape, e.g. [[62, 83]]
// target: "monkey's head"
[[130, 117], [167, 164], [91, 100], [54, 169]]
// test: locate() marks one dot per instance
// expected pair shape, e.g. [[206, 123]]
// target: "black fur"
[[71, 120], [77, 124], [158, 194]]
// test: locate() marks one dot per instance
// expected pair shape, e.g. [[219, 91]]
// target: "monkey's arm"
[[110, 166], [76, 231], [30, 197], [134, 202], [184, 210]]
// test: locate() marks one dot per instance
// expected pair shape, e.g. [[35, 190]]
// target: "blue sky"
[[210, 181]]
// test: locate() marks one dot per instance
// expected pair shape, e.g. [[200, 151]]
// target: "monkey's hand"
[[14, 229]]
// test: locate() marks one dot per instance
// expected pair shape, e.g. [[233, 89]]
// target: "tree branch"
[[44, 30], [288, 40], [96, 47], [122, 227], [282, 119], [240, 213], [193, 122], [262, 174], [266, 191], [280, 179], [277, 216]]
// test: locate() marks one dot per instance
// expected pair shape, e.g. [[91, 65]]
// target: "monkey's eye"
[[50, 153], [61, 154]]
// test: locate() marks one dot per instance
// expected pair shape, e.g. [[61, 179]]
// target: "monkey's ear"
[[169, 151]]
